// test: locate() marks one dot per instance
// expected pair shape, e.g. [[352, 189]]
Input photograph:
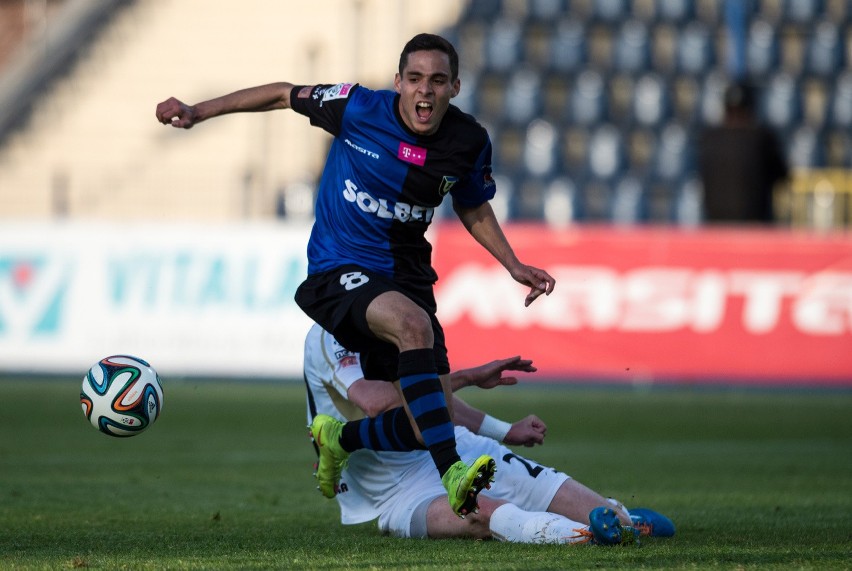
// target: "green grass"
[[753, 480]]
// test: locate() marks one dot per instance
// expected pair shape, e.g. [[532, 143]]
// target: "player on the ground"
[[530, 503], [394, 157]]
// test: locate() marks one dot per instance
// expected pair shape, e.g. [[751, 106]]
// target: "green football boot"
[[325, 431]]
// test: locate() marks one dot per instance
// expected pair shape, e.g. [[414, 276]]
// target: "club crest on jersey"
[[447, 184], [411, 154]]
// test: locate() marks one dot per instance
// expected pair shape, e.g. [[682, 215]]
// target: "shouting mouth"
[[424, 111]]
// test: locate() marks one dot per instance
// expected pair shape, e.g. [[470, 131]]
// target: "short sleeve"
[[323, 104]]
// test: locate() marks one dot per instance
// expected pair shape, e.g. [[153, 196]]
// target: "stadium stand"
[[639, 78], [593, 105]]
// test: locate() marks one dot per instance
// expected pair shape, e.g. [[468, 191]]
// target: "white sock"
[[511, 523], [618, 505]]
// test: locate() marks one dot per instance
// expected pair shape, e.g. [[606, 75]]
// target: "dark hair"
[[428, 42], [740, 95]]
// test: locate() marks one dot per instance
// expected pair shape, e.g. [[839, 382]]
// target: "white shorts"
[[397, 487]]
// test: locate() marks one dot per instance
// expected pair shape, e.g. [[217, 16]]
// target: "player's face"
[[425, 88]]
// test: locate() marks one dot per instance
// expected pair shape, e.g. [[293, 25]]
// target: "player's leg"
[[503, 521], [338, 301], [537, 488], [395, 318], [575, 500], [442, 523]]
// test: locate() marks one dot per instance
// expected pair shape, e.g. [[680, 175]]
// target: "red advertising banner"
[[656, 304]]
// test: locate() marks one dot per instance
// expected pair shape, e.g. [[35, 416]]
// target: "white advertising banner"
[[192, 299]]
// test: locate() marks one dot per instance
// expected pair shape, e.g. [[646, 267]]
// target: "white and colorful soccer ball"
[[121, 395]]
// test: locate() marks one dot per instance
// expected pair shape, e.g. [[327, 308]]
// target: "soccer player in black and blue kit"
[[395, 156]]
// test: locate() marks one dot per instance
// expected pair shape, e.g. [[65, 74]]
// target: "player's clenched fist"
[[176, 113]]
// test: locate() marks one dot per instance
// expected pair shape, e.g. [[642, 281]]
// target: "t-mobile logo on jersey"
[[412, 154]]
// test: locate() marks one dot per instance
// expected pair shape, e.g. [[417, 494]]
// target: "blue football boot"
[[651, 523], [606, 529]]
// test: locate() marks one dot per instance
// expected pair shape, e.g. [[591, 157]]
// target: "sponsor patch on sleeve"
[[339, 91], [305, 92]]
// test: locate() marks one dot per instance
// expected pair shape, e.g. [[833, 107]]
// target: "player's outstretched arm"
[[483, 226], [490, 375], [268, 97], [375, 397]]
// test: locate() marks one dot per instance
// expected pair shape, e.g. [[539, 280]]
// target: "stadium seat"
[[628, 201], [607, 157], [541, 149], [632, 49], [536, 48], [561, 197], [645, 11], [651, 103], [664, 46], [688, 202], [503, 45], [508, 151], [815, 102], [661, 202], [674, 154], [569, 50], [528, 200], [838, 148], [546, 10], [825, 50], [763, 50], [805, 148], [506, 188], [641, 145], [470, 41], [490, 95], [711, 108], [610, 11], [676, 11], [574, 152], [555, 90], [595, 200], [482, 10], [524, 98], [803, 11], [782, 105], [588, 100], [686, 97], [695, 49], [840, 101]]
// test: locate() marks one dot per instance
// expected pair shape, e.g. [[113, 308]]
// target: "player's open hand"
[[539, 281], [176, 113], [490, 375], [528, 432]]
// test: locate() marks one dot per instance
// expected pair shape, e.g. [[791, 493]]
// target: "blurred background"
[[595, 108], [119, 233]]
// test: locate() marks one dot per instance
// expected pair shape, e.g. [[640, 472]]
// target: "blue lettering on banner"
[[187, 281]]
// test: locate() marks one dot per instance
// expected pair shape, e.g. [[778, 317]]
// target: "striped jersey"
[[382, 182]]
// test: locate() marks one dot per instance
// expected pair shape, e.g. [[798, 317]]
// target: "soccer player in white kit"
[[529, 503]]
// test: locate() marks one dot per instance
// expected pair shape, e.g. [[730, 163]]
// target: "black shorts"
[[337, 300]]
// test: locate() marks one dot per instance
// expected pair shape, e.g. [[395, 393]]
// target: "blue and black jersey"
[[382, 182]]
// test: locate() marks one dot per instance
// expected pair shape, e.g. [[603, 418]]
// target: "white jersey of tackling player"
[[395, 486]]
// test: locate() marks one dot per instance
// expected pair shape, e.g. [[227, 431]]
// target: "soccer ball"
[[121, 395]]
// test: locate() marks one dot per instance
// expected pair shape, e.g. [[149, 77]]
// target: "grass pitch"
[[753, 480]]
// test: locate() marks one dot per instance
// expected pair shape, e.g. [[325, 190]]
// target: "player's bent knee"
[[415, 331]]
